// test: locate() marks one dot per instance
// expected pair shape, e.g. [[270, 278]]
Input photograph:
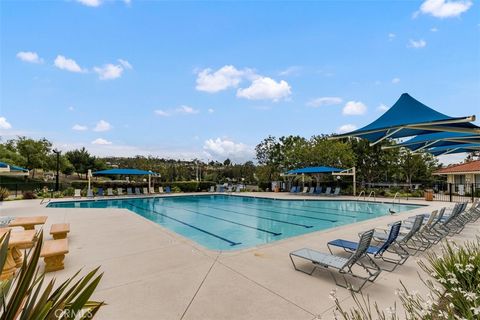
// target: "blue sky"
[[211, 79]]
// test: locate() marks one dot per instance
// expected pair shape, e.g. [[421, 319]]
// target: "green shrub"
[[457, 271], [4, 193], [27, 295], [29, 195], [175, 189], [69, 192]]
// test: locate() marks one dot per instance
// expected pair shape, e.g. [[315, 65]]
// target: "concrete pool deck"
[[153, 273]]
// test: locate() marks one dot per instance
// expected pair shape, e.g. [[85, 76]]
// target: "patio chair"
[[238, 188], [377, 251], [137, 191], [167, 189], [293, 189], [145, 190], [77, 193], [212, 189], [328, 191], [343, 265], [311, 191], [110, 192], [100, 192], [318, 191], [152, 190], [89, 193], [404, 241], [335, 193], [305, 190], [129, 191], [119, 192], [160, 190]]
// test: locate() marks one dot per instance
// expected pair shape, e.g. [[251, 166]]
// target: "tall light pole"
[[57, 185]]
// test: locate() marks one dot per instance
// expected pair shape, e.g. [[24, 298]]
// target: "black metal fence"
[[16, 189], [456, 192]]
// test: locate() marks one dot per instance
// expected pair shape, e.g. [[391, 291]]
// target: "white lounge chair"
[[145, 190], [110, 192], [119, 192], [77, 193], [152, 190], [212, 189], [160, 190]]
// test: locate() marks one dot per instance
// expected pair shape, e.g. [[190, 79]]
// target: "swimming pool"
[[223, 222]]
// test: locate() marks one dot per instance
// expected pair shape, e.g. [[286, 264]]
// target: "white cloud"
[[109, 71], [346, 128], [67, 64], [226, 77], [391, 36], [79, 127], [290, 71], [382, 107], [182, 110], [90, 3], [102, 125], [210, 110], [434, 29], [395, 80], [352, 108], [225, 148], [265, 88], [101, 141], [125, 64], [161, 113], [417, 44], [324, 101], [4, 124], [186, 110], [29, 56], [445, 8]]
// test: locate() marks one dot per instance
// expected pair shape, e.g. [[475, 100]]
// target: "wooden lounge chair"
[[343, 265]]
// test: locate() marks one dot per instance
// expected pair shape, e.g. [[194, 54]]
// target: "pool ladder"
[[360, 194], [393, 203], [370, 195]]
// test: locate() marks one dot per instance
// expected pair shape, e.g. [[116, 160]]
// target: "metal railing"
[[370, 195], [360, 195]]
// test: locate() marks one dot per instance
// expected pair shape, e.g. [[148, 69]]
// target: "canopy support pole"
[[386, 136]]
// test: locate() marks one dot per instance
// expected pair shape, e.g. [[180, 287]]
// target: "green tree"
[[34, 152], [80, 160]]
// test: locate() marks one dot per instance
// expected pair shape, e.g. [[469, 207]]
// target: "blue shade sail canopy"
[[459, 148], [125, 172], [8, 169], [409, 117], [439, 139], [314, 170]]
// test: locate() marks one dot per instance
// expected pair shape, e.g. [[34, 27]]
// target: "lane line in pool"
[[232, 243], [260, 217], [332, 214], [226, 220], [289, 214]]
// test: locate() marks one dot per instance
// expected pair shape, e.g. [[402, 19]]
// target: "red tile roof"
[[471, 166]]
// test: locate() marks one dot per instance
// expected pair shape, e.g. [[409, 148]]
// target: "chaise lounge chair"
[[129, 192], [377, 251], [167, 189], [137, 191], [77, 193], [145, 190], [327, 192], [160, 190], [342, 265], [335, 193], [119, 192], [110, 192]]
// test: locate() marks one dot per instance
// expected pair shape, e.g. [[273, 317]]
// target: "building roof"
[[468, 167]]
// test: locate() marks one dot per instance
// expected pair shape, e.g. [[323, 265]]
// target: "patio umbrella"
[[11, 170], [409, 117], [459, 148]]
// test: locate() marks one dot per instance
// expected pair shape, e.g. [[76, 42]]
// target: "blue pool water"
[[222, 222]]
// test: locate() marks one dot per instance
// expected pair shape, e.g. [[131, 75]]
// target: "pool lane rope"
[[232, 243]]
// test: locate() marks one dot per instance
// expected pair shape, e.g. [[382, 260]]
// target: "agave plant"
[[26, 296]]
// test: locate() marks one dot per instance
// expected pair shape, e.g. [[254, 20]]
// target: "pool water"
[[223, 222]]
